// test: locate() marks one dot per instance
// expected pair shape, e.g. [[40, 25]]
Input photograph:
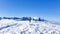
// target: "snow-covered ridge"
[[22, 18], [12, 26]]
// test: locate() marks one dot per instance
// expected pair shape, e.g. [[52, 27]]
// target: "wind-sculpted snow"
[[26, 27]]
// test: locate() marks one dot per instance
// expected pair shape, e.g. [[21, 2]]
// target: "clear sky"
[[48, 9]]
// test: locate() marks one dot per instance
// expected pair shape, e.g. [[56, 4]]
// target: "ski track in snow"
[[26, 27]]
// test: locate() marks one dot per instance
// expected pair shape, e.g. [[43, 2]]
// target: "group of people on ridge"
[[35, 19]]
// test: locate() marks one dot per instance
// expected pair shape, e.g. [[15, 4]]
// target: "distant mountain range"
[[23, 18]]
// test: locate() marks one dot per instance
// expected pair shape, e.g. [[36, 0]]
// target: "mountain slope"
[[9, 26]]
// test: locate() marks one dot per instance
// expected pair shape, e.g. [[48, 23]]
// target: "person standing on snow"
[[29, 19], [39, 19]]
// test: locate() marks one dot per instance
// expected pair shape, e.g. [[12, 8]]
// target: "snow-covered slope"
[[9, 26]]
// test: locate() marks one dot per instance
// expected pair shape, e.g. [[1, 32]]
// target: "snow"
[[26, 27]]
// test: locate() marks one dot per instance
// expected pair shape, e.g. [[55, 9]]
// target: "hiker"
[[29, 19], [39, 19]]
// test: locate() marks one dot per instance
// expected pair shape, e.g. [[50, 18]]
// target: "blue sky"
[[48, 9]]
